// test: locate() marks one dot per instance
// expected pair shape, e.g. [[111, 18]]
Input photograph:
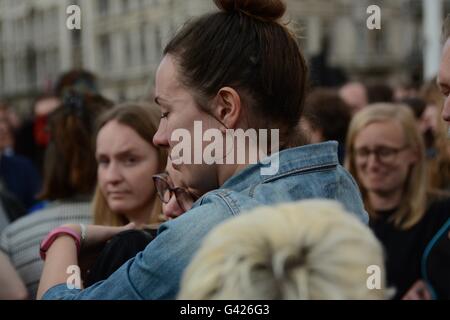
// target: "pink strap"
[[52, 235]]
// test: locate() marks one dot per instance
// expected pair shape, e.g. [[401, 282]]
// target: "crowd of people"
[[363, 179]]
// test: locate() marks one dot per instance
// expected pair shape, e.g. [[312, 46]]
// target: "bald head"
[[355, 95]]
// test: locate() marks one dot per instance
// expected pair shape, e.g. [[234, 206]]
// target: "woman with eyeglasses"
[[175, 196], [387, 158]]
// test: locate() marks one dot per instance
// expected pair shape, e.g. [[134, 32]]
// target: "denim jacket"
[[311, 171]]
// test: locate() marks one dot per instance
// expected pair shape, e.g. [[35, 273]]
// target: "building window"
[[55, 19], [126, 5], [105, 51], [2, 78], [379, 41], [143, 43], [158, 41], [30, 63], [55, 63], [127, 48], [19, 73], [102, 6], [142, 4]]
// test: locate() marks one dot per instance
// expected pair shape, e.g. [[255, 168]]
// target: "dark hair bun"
[[265, 9]]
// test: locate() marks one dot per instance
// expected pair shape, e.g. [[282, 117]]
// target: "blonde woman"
[[312, 249], [387, 158]]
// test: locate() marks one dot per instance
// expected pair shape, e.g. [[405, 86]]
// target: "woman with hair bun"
[[238, 70]]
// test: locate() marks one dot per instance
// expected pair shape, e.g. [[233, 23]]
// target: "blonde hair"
[[144, 119], [413, 203], [312, 249]]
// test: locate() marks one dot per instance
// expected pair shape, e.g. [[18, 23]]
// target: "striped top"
[[21, 239]]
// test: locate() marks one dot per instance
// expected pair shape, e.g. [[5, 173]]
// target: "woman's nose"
[[160, 138], [112, 174]]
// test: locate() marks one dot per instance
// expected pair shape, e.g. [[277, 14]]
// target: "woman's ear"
[[228, 107]]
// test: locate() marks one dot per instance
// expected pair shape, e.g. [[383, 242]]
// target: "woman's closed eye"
[[164, 115]]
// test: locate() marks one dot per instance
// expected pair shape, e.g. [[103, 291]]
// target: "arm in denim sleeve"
[[154, 273]]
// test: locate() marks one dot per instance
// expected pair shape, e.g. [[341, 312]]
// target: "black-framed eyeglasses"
[[383, 154], [166, 190]]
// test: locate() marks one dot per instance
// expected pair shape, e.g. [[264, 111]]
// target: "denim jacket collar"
[[304, 158]]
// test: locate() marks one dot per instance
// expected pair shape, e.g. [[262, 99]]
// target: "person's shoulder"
[[63, 209], [437, 213], [19, 165], [210, 211], [440, 206], [49, 215], [228, 202], [177, 239], [18, 160]]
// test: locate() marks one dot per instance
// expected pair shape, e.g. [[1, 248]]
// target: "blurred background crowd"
[[373, 91]]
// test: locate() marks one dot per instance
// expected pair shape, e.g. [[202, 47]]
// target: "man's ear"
[[228, 107]]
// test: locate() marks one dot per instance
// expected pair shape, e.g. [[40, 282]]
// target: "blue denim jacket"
[[311, 171]]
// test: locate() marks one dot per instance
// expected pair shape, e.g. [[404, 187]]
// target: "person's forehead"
[[119, 138], [444, 69], [166, 78], [388, 131]]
